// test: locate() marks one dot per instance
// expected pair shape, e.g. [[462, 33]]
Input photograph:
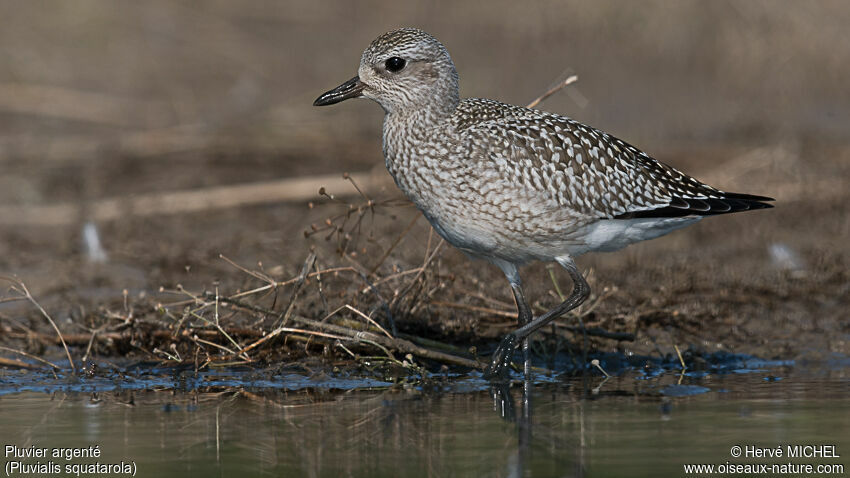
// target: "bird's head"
[[403, 70]]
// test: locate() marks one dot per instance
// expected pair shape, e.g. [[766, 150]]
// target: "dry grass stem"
[[18, 363], [305, 270], [395, 243], [571, 79], [21, 288], [474, 308]]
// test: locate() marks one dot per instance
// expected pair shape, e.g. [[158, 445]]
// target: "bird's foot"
[[500, 363]]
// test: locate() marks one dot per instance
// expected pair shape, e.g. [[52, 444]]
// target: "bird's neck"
[[424, 115], [404, 134], [413, 124]]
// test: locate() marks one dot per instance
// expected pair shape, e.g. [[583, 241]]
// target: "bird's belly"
[[486, 216], [608, 235], [511, 232], [459, 230]]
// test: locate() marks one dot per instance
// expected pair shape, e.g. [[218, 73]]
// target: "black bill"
[[350, 89]]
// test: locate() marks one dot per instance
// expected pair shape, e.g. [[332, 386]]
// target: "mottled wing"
[[588, 170]]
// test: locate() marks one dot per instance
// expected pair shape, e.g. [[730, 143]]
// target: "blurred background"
[[103, 97], [112, 100]]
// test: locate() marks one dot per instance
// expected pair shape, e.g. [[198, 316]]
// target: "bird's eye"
[[395, 64]]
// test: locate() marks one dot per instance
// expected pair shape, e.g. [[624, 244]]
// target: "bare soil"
[[770, 283]]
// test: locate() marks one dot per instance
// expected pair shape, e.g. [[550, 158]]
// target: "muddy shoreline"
[[771, 284]]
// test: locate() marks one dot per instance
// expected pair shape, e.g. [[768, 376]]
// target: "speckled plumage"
[[511, 184], [519, 184]]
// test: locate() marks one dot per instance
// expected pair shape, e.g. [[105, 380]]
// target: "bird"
[[511, 185]]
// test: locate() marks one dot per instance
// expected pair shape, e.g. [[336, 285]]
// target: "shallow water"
[[248, 423]]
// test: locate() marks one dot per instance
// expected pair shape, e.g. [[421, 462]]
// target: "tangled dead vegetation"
[[361, 311]]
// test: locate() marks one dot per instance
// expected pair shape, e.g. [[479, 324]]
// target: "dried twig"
[[394, 244], [599, 332], [474, 308], [305, 270], [360, 314], [571, 79], [21, 288], [404, 346], [428, 259], [401, 345], [17, 363]]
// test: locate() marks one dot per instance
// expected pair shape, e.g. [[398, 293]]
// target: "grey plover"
[[511, 185]]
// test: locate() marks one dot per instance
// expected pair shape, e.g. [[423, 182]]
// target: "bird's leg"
[[524, 317], [500, 363], [581, 291]]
